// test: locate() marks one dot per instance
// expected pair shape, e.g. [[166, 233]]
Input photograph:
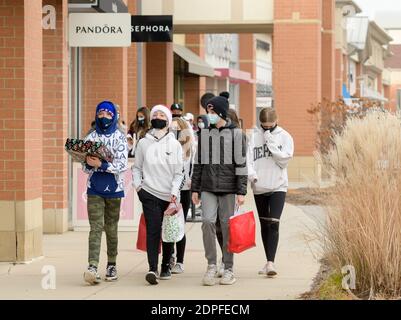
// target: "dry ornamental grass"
[[364, 209]]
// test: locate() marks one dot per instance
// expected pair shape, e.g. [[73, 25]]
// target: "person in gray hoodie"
[[158, 177]]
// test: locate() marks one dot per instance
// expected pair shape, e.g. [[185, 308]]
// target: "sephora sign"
[[117, 29]]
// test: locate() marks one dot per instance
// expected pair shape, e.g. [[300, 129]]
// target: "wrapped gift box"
[[79, 149]]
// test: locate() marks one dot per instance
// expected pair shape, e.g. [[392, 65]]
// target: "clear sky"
[[369, 7]]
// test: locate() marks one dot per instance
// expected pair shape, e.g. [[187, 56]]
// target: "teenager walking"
[[181, 128], [220, 182], [270, 150], [158, 177], [105, 191]]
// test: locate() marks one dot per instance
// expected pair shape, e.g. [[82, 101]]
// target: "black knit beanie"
[[219, 105]]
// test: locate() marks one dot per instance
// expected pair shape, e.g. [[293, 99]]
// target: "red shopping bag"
[[141, 241], [242, 232]]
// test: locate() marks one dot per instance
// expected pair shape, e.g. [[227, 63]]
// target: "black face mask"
[[176, 115], [269, 129], [141, 122], [158, 123]]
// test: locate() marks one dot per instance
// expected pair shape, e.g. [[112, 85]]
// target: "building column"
[[247, 91], [297, 76], [55, 122], [21, 146], [194, 85], [159, 73], [339, 69], [328, 50], [358, 78]]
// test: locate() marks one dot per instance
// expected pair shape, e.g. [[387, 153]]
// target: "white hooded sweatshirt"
[[158, 166], [268, 157]]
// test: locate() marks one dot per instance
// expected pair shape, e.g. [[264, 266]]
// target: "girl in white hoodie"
[[158, 177], [270, 150]]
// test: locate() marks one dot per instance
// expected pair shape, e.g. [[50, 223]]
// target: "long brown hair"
[[232, 114], [184, 139], [136, 128]]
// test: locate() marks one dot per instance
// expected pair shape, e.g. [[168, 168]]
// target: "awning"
[[104, 6], [195, 63], [234, 75]]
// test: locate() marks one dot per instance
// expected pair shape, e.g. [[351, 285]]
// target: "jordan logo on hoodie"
[[107, 189]]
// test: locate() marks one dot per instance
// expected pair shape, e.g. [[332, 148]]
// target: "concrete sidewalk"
[[68, 254]]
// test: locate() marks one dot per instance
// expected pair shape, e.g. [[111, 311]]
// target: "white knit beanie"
[[163, 109]]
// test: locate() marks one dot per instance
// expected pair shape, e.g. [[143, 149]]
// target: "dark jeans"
[[153, 209], [270, 207], [186, 203]]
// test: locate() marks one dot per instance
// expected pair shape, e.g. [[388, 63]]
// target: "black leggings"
[[153, 209], [186, 203], [270, 207]]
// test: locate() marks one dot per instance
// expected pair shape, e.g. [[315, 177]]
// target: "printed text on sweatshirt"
[[268, 158]]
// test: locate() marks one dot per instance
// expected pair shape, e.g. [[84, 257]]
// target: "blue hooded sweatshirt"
[[107, 181]]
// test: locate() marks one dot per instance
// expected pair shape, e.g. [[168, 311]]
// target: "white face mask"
[[213, 118], [201, 125]]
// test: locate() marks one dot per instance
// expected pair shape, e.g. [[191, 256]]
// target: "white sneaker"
[[209, 277], [220, 273], [228, 278], [271, 269], [91, 276], [178, 268], [263, 271]]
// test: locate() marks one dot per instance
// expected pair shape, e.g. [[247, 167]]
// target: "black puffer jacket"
[[220, 162]]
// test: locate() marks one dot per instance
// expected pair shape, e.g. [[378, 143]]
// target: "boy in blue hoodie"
[[105, 190]]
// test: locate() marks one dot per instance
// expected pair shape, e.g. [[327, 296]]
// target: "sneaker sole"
[[209, 284], [110, 279], [165, 278], [90, 278], [271, 274], [228, 283], [152, 279], [177, 272]]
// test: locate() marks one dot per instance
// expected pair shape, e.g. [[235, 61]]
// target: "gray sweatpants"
[[224, 206]]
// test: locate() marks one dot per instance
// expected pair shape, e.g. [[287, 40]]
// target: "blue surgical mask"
[[105, 122], [213, 118]]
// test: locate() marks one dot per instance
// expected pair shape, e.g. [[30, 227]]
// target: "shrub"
[[363, 227]]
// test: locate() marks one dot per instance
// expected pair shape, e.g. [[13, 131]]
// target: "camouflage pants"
[[104, 214]]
